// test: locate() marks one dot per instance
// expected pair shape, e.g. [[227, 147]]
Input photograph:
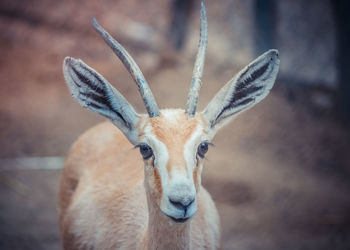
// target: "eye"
[[203, 149], [145, 150]]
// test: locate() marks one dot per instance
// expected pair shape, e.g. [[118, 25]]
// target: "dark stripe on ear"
[[81, 78], [244, 102], [97, 94], [236, 101], [267, 75], [104, 102], [256, 74], [236, 105], [243, 89], [244, 93], [85, 80], [76, 73], [98, 89], [93, 105], [94, 96]]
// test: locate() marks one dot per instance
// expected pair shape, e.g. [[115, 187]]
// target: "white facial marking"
[[190, 148], [161, 156], [171, 115]]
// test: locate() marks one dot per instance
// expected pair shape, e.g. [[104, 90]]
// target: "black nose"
[[181, 204]]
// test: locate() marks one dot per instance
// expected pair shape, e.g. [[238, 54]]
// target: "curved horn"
[[131, 66], [192, 98]]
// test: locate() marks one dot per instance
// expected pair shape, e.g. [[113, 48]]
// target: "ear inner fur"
[[249, 87], [94, 92]]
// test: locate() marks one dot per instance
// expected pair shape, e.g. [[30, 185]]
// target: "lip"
[[178, 220]]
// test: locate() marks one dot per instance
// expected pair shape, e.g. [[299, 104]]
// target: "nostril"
[[183, 205], [177, 204]]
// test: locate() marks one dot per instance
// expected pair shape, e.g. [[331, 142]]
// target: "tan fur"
[[103, 200], [174, 138], [157, 181], [195, 177]]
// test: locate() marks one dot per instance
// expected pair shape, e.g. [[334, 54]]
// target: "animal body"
[[114, 197]]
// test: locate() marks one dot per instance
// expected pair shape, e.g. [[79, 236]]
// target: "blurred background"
[[279, 173]]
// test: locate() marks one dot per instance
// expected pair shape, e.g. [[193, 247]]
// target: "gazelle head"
[[172, 143]]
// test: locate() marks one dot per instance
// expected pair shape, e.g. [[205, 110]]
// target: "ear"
[[247, 88], [94, 92]]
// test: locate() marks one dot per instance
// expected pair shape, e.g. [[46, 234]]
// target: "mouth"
[[178, 220]]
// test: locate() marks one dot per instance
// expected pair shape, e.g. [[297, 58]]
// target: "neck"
[[162, 233]]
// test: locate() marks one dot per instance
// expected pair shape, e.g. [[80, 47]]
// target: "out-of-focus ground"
[[279, 173]]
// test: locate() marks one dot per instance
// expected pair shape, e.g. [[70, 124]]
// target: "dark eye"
[[145, 151], [202, 149]]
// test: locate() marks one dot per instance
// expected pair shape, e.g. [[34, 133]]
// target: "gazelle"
[[107, 201]]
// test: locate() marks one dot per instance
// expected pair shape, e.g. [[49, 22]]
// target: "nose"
[[182, 203]]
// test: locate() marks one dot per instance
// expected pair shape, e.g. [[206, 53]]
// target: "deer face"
[[173, 147], [172, 142]]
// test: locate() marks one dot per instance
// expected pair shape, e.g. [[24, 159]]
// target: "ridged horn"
[[131, 66], [193, 94]]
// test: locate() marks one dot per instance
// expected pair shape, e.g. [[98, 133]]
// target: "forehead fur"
[[174, 126]]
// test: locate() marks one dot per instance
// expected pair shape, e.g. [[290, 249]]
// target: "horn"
[[131, 66], [193, 94]]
